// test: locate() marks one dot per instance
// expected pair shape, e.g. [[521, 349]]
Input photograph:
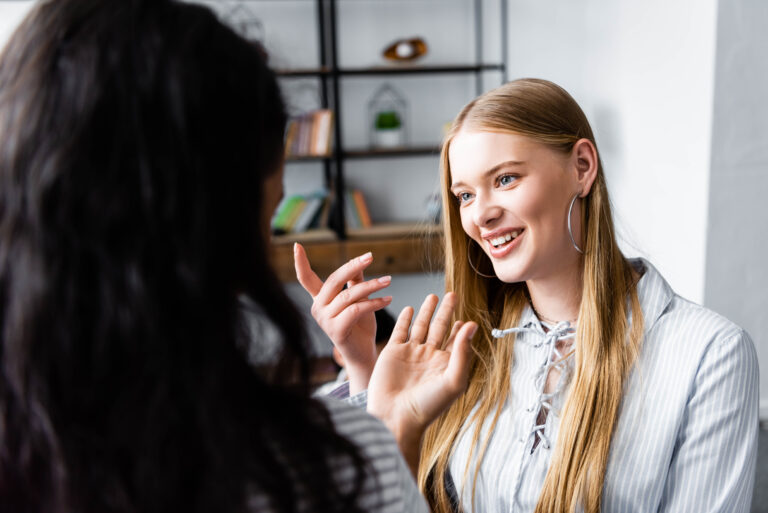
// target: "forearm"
[[411, 454], [408, 440]]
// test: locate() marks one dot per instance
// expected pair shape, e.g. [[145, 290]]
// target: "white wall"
[[642, 72], [737, 274], [11, 14]]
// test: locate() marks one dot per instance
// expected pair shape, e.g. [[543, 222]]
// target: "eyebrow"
[[494, 169]]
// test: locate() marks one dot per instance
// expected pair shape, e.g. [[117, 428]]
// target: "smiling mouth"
[[503, 240]]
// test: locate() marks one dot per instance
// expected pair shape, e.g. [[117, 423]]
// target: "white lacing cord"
[[562, 331]]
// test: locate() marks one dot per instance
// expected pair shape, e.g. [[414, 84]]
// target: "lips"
[[502, 242]]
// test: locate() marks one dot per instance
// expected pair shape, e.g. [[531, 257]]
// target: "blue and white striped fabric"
[[388, 486], [686, 439]]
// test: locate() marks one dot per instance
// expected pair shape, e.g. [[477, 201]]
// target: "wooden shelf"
[[397, 249]]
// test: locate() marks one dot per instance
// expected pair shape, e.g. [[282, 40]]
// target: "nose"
[[486, 210]]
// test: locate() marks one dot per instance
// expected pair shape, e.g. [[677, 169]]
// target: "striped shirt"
[[686, 437], [389, 486]]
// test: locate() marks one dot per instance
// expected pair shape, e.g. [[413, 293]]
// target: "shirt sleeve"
[[341, 393], [713, 466], [391, 488]]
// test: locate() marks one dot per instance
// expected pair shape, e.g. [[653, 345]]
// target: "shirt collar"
[[528, 318], [653, 292]]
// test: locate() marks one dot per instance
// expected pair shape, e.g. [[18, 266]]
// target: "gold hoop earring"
[[570, 232], [475, 268]]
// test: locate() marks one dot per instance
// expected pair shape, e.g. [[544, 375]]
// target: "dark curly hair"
[[135, 137]]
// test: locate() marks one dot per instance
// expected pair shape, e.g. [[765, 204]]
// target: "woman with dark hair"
[[140, 162]]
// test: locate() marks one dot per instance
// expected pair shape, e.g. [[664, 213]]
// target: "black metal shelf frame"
[[391, 70], [330, 74]]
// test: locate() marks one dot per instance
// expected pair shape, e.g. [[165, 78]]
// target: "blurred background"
[[675, 91]]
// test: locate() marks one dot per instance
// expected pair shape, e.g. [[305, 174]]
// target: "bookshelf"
[[399, 247]]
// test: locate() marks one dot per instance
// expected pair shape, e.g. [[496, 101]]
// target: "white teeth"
[[498, 241]]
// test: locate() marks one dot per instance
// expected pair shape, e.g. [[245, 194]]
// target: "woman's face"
[[513, 195]]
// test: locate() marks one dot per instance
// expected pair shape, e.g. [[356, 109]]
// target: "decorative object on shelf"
[[405, 50], [244, 21], [387, 111]]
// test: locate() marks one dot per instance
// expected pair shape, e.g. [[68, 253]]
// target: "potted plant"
[[388, 129]]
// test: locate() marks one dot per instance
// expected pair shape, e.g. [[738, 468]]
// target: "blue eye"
[[506, 179], [463, 197]]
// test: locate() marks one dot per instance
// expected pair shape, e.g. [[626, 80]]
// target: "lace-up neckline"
[[558, 340]]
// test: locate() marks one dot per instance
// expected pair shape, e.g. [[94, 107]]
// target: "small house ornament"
[[387, 112]]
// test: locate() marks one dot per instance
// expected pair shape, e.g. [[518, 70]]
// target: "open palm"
[[418, 375]]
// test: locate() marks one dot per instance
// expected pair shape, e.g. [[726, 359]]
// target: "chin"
[[510, 272], [510, 277]]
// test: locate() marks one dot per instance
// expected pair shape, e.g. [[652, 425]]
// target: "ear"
[[584, 156]]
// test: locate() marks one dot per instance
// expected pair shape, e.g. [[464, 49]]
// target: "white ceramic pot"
[[388, 138]]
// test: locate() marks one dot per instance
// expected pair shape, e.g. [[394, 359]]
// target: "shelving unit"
[[397, 248]]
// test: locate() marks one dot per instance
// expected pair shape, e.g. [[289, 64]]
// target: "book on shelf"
[[362, 208], [310, 134], [298, 213], [357, 213]]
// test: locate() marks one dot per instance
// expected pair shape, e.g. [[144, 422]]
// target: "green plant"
[[387, 120]]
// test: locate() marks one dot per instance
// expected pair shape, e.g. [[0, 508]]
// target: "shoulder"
[[700, 326], [690, 334], [668, 316], [389, 485]]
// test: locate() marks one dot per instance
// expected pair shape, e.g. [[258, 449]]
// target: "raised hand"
[[418, 375], [346, 315]]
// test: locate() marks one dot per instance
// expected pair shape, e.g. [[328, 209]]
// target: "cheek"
[[466, 223], [541, 210]]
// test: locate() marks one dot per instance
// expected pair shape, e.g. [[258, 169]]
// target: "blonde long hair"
[[608, 343]]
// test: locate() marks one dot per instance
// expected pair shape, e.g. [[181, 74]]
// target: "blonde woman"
[[594, 386]]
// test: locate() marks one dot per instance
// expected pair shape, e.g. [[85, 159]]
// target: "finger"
[[335, 282], [351, 314], [400, 331], [421, 324], [355, 280], [352, 295], [457, 372], [442, 321], [304, 273], [454, 330]]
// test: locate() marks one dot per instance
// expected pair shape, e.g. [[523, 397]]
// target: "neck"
[[557, 297]]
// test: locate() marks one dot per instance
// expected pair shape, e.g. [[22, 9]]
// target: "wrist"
[[359, 375]]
